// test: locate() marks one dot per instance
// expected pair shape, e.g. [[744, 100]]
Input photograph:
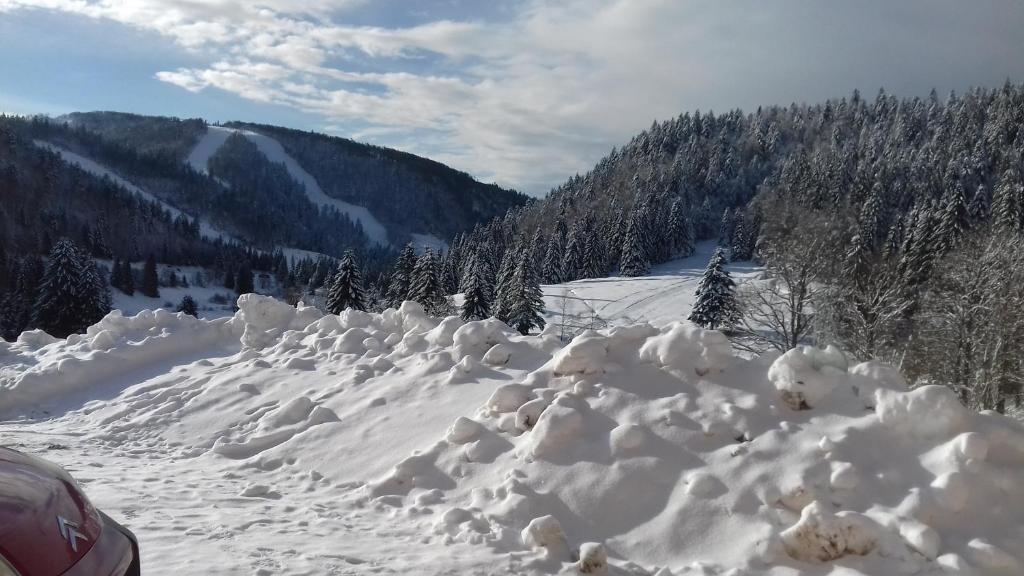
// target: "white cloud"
[[541, 94]]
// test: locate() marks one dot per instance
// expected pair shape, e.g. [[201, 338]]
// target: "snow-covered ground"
[[215, 137], [283, 441], [213, 300], [667, 294]]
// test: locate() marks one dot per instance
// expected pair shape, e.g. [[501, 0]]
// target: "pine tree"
[[476, 303], [127, 278], [401, 277], [188, 306], [10, 314], [70, 296], [680, 232], [150, 282], [716, 300], [502, 307], [346, 289], [574, 261], [955, 220], [634, 258], [244, 283], [425, 286], [526, 299], [979, 205], [115, 275], [1007, 210], [96, 291], [552, 265], [725, 228], [738, 243]]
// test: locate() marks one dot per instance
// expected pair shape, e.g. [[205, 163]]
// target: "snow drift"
[[634, 450]]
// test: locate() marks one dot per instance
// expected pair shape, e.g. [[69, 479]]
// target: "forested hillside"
[[408, 193], [889, 226]]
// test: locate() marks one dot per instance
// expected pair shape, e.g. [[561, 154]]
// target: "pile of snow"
[[400, 442]]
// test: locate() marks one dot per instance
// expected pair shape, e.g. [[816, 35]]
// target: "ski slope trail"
[[667, 294], [97, 169], [285, 441], [216, 136]]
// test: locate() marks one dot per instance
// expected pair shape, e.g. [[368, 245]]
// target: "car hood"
[[42, 511]]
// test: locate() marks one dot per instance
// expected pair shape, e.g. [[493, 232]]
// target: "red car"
[[49, 528]]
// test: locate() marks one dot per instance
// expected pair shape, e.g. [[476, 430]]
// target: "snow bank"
[[630, 450]]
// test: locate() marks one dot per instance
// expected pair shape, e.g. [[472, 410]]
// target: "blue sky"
[[525, 93]]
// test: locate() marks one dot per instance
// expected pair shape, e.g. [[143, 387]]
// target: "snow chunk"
[[972, 446], [508, 398], [994, 559], [544, 532], [559, 427], [266, 319], [844, 476], [627, 438], [921, 537], [474, 338], [586, 354], [806, 375], [684, 346], [928, 411], [498, 355], [463, 430], [950, 491], [593, 558], [820, 536], [528, 414]]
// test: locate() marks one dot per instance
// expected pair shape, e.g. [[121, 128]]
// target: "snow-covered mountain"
[[284, 441], [260, 187]]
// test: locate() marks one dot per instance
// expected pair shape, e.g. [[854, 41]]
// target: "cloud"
[[540, 93]]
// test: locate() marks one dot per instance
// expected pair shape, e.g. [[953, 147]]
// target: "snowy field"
[[283, 441], [665, 295]]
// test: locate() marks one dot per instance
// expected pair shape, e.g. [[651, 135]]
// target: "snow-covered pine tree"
[[1007, 209], [188, 306], [955, 219], [68, 301], [502, 305], [425, 286], [551, 269], [150, 282], [676, 235], [738, 242], [96, 291], [127, 278], [401, 277], [526, 299], [725, 228], [716, 305], [10, 313], [980, 204], [476, 304], [574, 261], [115, 275], [634, 258], [593, 255], [346, 289], [244, 283]]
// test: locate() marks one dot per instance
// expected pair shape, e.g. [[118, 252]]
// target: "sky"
[[524, 93]]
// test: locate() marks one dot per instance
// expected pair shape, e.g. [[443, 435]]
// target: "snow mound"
[[805, 375], [456, 447]]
